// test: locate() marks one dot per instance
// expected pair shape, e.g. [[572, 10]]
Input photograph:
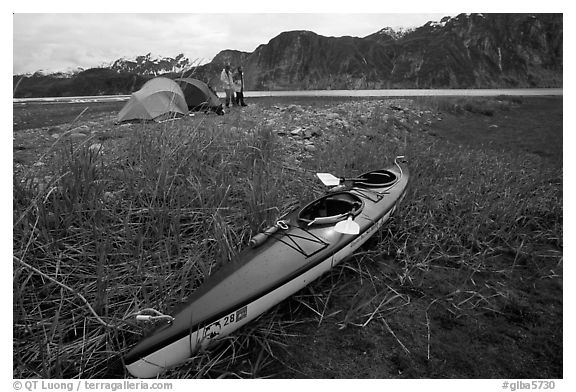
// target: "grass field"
[[464, 282]]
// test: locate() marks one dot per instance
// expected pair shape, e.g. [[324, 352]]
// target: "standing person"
[[228, 84], [240, 89]]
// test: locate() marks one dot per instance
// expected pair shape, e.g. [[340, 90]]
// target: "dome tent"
[[199, 96], [159, 96]]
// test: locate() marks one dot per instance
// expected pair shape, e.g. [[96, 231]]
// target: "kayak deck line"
[[305, 247]]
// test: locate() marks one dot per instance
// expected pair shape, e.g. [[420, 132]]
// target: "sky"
[[61, 34], [59, 41]]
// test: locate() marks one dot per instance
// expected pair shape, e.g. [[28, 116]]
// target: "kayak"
[[278, 262]]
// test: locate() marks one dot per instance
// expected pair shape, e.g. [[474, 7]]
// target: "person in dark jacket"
[[239, 87]]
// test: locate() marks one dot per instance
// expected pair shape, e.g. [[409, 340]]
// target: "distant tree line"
[[94, 81]]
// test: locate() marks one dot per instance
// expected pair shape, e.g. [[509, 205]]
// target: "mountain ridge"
[[465, 51]]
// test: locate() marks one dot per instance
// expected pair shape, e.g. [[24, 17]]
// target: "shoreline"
[[389, 93]]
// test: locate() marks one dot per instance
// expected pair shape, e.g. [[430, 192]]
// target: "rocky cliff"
[[491, 50], [304, 60]]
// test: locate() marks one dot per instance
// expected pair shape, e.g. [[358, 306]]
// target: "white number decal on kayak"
[[214, 329], [236, 316], [229, 319]]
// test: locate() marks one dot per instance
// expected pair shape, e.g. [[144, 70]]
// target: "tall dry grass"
[[111, 235]]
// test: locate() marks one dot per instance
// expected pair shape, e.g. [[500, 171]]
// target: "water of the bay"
[[334, 93]]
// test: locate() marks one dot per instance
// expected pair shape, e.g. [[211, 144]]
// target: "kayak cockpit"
[[376, 179], [331, 209]]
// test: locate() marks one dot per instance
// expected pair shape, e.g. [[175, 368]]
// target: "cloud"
[[44, 41]]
